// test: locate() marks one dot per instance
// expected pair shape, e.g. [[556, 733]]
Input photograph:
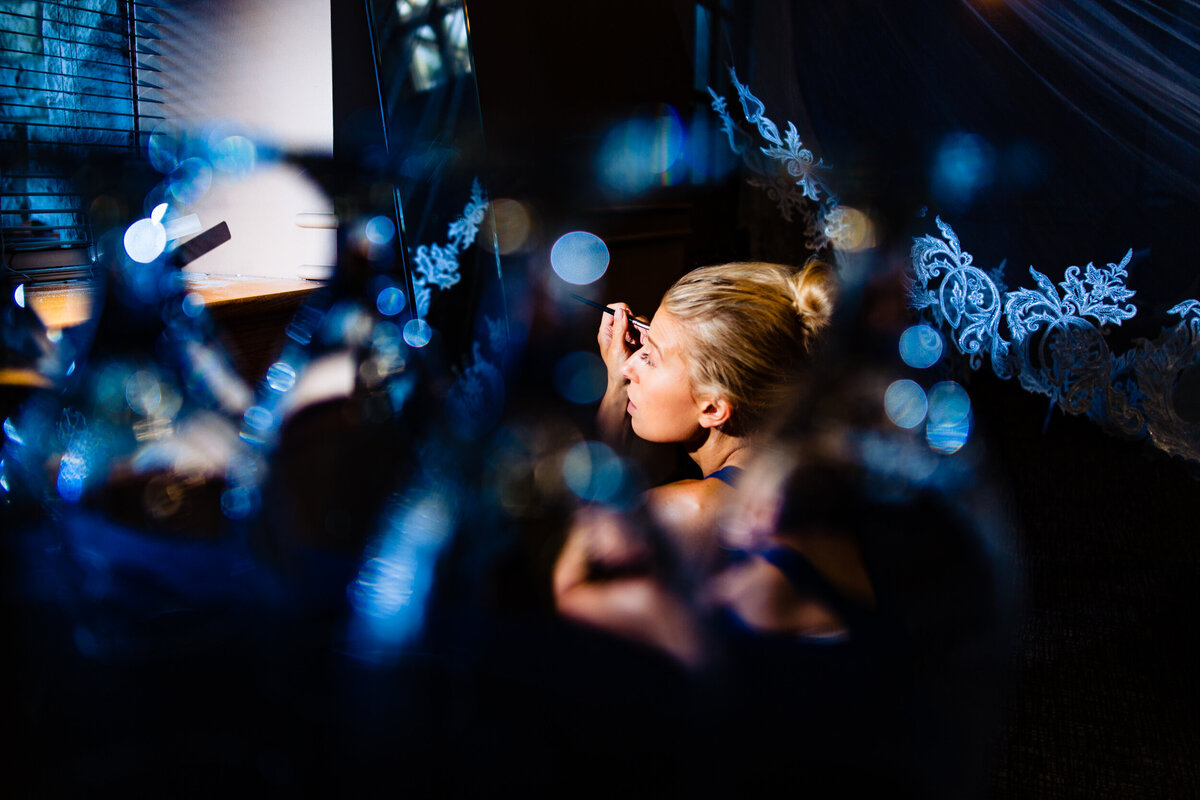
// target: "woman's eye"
[[646, 358]]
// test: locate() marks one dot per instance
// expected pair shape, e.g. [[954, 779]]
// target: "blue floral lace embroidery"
[[437, 264], [1055, 343], [786, 170]]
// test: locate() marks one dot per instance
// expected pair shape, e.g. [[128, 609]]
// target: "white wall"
[[265, 65]]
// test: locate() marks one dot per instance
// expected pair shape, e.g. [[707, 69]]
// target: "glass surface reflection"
[[434, 136]]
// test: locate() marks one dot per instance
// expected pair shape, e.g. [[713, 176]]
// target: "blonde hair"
[[751, 327]]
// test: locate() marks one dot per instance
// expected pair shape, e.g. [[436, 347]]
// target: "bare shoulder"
[[689, 511], [690, 495]]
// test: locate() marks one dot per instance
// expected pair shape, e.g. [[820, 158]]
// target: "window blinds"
[[76, 78]]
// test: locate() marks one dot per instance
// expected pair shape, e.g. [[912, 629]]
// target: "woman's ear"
[[714, 412]]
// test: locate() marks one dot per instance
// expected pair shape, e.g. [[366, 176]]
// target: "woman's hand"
[[618, 340]]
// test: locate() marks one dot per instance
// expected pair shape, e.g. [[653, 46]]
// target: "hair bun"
[[813, 288]]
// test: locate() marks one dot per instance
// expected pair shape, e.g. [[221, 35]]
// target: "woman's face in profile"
[[661, 404]]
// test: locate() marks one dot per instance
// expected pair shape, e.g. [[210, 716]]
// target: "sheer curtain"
[[1115, 63]]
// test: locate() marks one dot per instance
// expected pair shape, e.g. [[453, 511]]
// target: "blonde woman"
[[720, 355], [721, 352]]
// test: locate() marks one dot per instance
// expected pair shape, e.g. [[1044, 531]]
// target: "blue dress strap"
[[728, 474]]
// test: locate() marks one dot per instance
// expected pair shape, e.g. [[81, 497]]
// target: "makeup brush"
[[637, 323]]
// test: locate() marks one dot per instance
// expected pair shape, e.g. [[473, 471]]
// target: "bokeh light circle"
[[386, 336], [380, 230], [391, 301], [258, 418], [513, 226], [417, 332], [949, 417], [145, 240], [579, 257], [281, 376], [190, 181], [949, 403], [948, 439], [594, 472], [905, 403], [641, 152], [193, 304], [963, 166], [921, 346], [580, 377], [143, 392], [849, 229], [163, 148], [235, 156], [667, 140]]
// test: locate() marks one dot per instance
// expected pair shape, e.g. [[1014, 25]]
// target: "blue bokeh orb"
[[594, 472], [905, 403], [963, 166], [235, 156], [579, 257], [190, 180], [949, 424], [391, 301], [281, 376], [379, 230], [417, 332], [921, 346], [145, 240], [580, 377]]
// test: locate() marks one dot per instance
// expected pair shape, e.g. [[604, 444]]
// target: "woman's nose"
[[627, 370]]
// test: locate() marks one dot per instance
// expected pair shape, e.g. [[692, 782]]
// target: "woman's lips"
[[631, 407]]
